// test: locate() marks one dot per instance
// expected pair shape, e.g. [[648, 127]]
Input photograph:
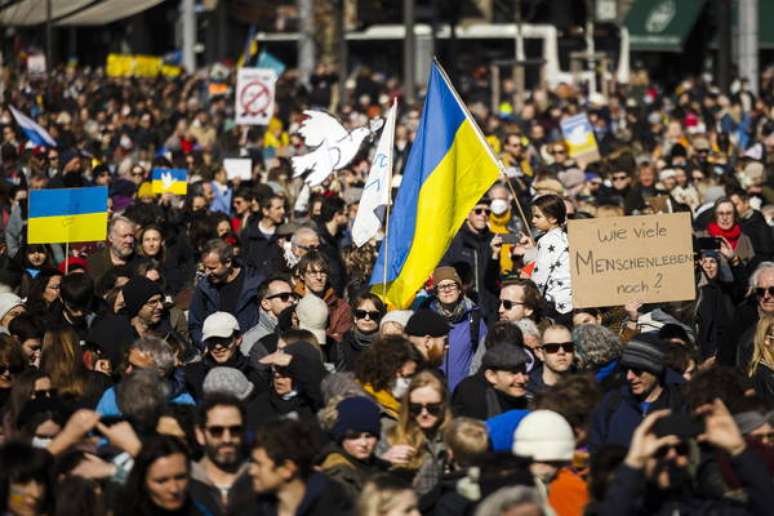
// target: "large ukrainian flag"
[[67, 215], [449, 168]]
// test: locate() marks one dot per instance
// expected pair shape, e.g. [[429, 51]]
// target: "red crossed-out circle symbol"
[[254, 98]]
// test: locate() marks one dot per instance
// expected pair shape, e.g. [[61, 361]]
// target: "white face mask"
[[41, 442], [499, 206], [400, 388]]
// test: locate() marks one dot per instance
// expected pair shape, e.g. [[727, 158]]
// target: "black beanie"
[[137, 292], [427, 322]]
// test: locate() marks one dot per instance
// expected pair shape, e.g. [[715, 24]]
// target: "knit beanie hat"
[[397, 316], [446, 273], [227, 380], [544, 436], [8, 301], [356, 415], [137, 292], [644, 352]]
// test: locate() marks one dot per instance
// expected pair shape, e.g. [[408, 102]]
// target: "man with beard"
[[622, 410], [656, 476], [220, 480], [429, 333], [120, 250], [556, 354], [226, 287]]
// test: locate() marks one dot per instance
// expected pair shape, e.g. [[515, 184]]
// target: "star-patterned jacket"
[[552, 270]]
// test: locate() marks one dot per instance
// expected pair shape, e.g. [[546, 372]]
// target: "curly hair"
[[718, 382], [573, 398], [595, 346], [359, 262], [378, 364]]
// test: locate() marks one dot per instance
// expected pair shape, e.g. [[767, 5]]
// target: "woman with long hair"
[[760, 366], [32, 259], [30, 384], [159, 481], [416, 447], [43, 295]]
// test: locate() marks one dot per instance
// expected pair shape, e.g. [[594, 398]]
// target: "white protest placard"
[[254, 100], [241, 168], [36, 65], [620, 259]]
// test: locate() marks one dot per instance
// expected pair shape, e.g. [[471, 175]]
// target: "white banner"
[[254, 101]]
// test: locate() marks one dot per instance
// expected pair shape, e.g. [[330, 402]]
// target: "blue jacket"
[[108, 404], [619, 413], [221, 201], [206, 300], [456, 362]]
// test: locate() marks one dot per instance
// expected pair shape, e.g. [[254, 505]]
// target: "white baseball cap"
[[219, 324]]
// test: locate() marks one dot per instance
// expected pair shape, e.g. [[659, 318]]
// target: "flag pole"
[[481, 137], [388, 185], [67, 257]]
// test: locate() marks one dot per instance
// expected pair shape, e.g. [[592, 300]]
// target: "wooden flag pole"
[[516, 200]]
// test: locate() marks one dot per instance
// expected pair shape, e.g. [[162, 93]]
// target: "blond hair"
[[467, 439], [762, 351]]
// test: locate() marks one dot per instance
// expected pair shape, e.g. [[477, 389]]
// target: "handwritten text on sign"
[[616, 260]]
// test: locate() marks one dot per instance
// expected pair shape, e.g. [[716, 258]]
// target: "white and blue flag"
[[35, 134], [376, 193]]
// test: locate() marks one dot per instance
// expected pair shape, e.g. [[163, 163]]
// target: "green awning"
[[661, 25]]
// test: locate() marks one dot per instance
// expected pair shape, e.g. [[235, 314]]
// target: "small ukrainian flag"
[[66, 215], [169, 180]]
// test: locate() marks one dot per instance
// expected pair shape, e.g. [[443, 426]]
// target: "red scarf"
[[732, 235]]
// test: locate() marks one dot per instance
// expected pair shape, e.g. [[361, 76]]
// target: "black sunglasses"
[[370, 314], [553, 347], [217, 431], [680, 449], [43, 393], [482, 211], [620, 178], [508, 304], [434, 409], [284, 296], [761, 292], [10, 369]]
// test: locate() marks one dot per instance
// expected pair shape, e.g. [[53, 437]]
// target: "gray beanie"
[[644, 352], [227, 380], [748, 421]]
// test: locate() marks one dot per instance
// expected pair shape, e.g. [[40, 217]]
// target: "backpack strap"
[[474, 319]]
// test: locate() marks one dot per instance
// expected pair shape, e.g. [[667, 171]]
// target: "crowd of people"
[[222, 353]]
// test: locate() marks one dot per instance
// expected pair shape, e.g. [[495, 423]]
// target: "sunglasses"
[[284, 297], [434, 409], [508, 304], [761, 292], [280, 372], [553, 347], [10, 369], [44, 393], [482, 211], [680, 449], [558, 151], [620, 178], [218, 342], [368, 314], [217, 431]]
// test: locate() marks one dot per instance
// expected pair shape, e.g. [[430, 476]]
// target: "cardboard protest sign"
[[621, 259], [579, 135], [241, 168], [254, 99]]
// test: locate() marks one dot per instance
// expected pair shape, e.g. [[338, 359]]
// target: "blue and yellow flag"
[[172, 180], [67, 215], [449, 168]]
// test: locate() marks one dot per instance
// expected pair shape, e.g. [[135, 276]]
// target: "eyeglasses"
[[449, 287], [680, 449], [553, 347], [373, 315], [620, 178], [4, 369], [308, 247], [434, 409], [761, 291], [482, 211], [43, 393], [217, 431], [282, 296], [138, 173], [508, 304]]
